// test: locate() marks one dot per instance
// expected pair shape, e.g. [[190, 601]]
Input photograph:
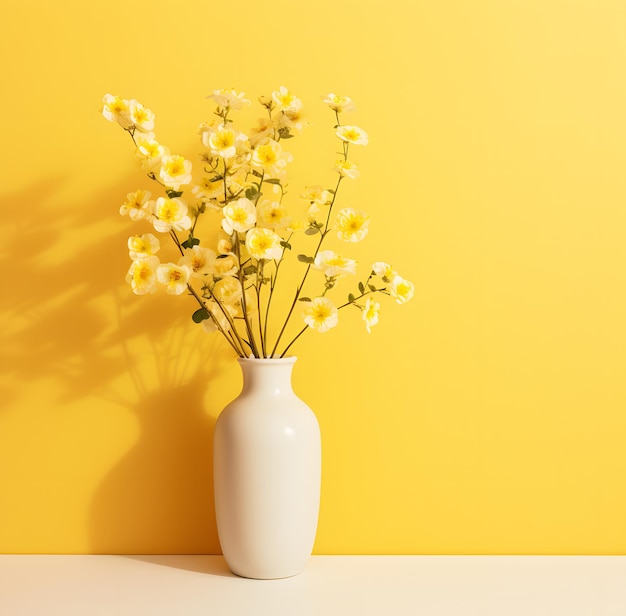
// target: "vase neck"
[[272, 376]]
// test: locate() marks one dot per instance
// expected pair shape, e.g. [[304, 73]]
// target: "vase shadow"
[[158, 498], [206, 564]]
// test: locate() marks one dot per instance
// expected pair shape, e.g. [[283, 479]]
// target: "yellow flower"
[[218, 316], [227, 290], [290, 120], [174, 277], [347, 169], [384, 270], [401, 290], [207, 192], [175, 171], [143, 246], [285, 100], [369, 314], [352, 134], [142, 118], [225, 141], [317, 195], [225, 265], [117, 109], [142, 276], [272, 214], [262, 132], [333, 265], [229, 98], [137, 205], [149, 151], [271, 159], [239, 216], [352, 225], [320, 314], [170, 214], [224, 243], [201, 261], [264, 244], [339, 103]]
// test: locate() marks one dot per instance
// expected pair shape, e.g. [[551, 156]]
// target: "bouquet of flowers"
[[243, 185]]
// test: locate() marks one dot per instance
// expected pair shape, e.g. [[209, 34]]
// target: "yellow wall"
[[487, 416]]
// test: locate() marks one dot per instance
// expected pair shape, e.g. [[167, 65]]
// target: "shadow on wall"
[[72, 329]]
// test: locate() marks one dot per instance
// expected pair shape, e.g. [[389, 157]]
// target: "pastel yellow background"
[[486, 416]]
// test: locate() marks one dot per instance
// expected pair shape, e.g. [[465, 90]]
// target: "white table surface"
[[330, 585]]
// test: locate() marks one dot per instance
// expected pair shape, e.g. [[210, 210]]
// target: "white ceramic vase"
[[267, 474]]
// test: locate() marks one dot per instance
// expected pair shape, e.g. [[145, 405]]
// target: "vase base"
[[269, 577]]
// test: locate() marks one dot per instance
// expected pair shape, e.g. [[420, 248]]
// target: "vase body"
[[267, 474]]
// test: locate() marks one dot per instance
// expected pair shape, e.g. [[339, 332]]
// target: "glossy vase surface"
[[267, 474]]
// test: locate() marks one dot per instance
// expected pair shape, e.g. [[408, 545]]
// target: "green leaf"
[[372, 288], [251, 193], [272, 181], [190, 242], [361, 288], [174, 194], [305, 259], [311, 231], [351, 298], [250, 269], [200, 315], [304, 299], [285, 245]]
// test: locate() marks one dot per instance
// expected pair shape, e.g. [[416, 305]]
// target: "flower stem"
[[308, 269]]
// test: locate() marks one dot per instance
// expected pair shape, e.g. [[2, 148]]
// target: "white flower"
[[201, 261], [264, 244], [137, 205], [175, 171], [239, 216], [171, 214], [320, 314], [333, 265], [174, 277], [369, 314], [352, 225], [143, 246], [352, 134], [401, 290], [142, 276], [339, 103], [229, 98], [285, 100]]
